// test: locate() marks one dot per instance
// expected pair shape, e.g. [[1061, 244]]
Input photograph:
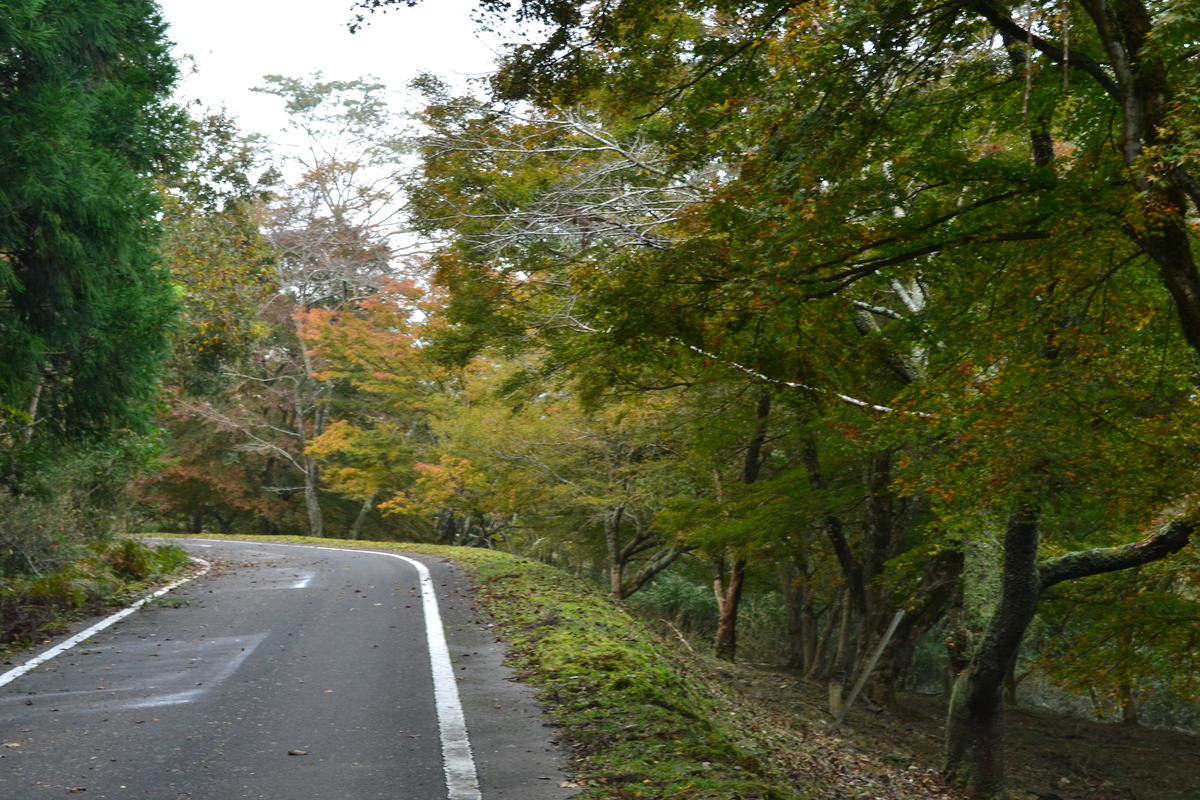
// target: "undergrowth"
[[81, 578]]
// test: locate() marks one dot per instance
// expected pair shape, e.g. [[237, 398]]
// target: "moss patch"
[[637, 721]]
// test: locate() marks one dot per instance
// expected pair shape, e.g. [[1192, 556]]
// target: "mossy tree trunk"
[[975, 720], [974, 755]]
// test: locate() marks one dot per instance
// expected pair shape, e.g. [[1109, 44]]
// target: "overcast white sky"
[[236, 42]]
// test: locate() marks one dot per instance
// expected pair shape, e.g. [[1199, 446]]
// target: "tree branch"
[[1170, 539], [1001, 22]]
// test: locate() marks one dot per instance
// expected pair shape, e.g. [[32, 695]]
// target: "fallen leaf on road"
[[75, 789], [297, 752], [12, 744]]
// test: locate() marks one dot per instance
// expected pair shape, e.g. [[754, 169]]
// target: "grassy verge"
[[637, 721], [36, 604]]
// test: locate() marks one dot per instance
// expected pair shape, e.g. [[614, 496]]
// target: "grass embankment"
[[39, 603], [635, 720]]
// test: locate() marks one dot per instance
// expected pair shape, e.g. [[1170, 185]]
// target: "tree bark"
[[665, 558], [794, 578], [975, 719], [728, 603], [225, 522], [839, 666], [939, 586], [312, 499], [818, 666], [361, 519], [1144, 97], [446, 526], [612, 540], [1129, 710], [729, 600]]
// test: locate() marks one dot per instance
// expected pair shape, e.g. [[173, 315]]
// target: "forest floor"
[[1050, 756]]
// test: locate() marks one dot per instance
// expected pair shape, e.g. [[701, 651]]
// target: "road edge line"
[[64, 646], [462, 779]]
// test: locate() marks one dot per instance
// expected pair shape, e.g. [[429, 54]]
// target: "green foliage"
[[1137, 629], [222, 267], [687, 605], [83, 306]]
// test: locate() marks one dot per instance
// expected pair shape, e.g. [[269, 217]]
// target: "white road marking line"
[[462, 781], [251, 644], [63, 647], [216, 660]]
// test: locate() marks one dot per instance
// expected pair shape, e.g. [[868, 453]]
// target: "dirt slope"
[[1050, 757]]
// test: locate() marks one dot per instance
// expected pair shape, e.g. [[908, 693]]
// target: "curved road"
[[289, 673]]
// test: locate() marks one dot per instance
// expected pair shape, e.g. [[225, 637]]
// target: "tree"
[[388, 397], [86, 123], [223, 266], [567, 478], [326, 240]]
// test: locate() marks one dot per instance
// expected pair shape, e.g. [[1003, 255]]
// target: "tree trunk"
[[196, 524], [612, 541], [312, 499], [838, 666], [794, 579], [729, 599], [818, 666], [446, 526], [939, 586], [975, 720], [728, 603], [363, 512], [34, 401], [665, 558], [1129, 711]]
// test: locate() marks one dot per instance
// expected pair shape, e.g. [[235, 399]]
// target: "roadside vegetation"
[[50, 578]]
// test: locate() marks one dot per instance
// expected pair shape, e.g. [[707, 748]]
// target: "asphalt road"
[[290, 673]]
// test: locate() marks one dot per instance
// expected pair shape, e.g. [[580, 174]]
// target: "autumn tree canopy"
[[960, 236]]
